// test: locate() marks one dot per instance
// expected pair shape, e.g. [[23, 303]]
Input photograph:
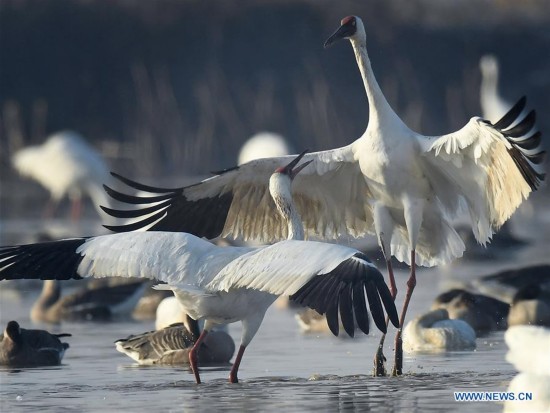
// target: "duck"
[[20, 347]]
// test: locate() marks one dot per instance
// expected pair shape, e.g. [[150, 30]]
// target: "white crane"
[[224, 285], [402, 186], [493, 105], [66, 165]]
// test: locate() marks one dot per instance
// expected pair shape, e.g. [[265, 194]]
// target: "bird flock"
[[404, 188]]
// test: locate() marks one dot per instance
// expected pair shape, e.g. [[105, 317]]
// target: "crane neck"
[[489, 84], [294, 223], [380, 111], [280, 190]]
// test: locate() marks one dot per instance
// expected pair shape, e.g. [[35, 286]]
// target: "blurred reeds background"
[[175, 87]]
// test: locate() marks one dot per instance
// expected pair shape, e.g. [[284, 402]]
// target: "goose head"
[[351, 28], [13, 332]]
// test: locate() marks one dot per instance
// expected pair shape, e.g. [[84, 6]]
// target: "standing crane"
[[403, 187], [224, 285], [66, 165], [493, 105]]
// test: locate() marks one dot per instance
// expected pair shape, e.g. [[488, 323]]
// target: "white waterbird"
[[224, 285], [404, 187]]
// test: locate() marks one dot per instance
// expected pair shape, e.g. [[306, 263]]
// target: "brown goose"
[[172, 344], [98, 304], [531, 306], [30, 348]]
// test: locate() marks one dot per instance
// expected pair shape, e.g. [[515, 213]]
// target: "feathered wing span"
[[329, 194], [329, 278], [169, 257], [495, 167]]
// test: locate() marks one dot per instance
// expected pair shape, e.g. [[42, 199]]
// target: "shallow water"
[[282, 369]]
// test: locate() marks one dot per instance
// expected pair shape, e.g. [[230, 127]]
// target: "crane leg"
[[235, 369], [50, 208], [411, 283], [379, 358], [194, 356], [76, 209]]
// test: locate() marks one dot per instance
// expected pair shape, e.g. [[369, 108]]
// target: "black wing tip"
[[525, 151], [512, 114], [48, 260], [525, 163], [142, 187], [523, 127], [343, 289]]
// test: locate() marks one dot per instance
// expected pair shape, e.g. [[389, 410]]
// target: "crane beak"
[[296, 170], [291, 168], [343, 32]]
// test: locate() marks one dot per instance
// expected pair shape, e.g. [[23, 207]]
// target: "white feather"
[[66, 165], [528, 352], [281, 269]]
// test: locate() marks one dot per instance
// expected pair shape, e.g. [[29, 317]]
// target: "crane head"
[[291, 169], [351, 27]]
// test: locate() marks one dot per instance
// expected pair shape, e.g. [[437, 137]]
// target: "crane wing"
[[175, 258], [325, 277], [329, 194], [492, 167]]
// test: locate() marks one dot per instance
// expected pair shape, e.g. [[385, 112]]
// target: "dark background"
[[171, 87]]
